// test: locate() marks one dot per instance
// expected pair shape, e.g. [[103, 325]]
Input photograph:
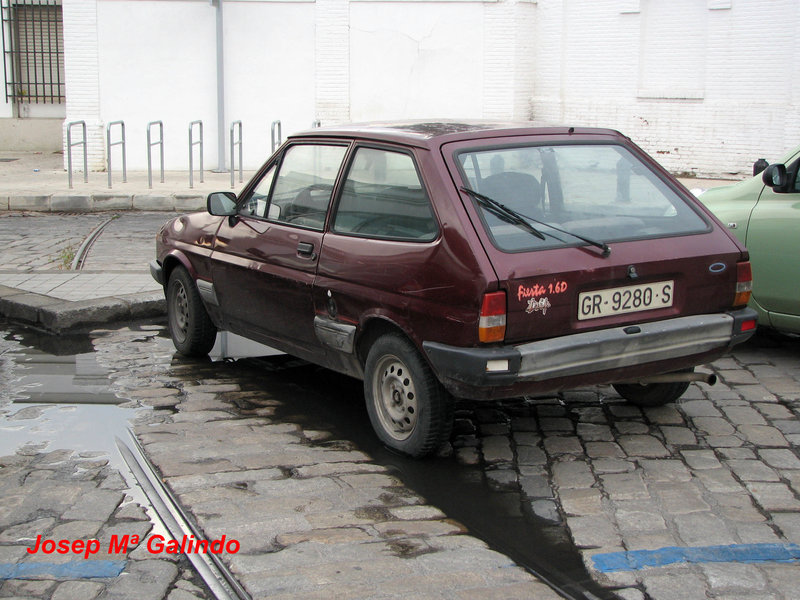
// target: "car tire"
[[651, 394], [190, 327], [409, 409]]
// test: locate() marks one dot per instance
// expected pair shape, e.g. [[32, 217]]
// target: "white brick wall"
[[508, 59], [713, 111], [332, 61], [82, 80]]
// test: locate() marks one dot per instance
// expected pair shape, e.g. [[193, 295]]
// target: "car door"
[[774, 244], [265, 258]]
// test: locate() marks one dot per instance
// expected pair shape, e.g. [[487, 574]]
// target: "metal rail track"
[[83, 251], [217, 576]]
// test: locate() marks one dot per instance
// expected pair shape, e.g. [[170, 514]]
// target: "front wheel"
[[409, 409], [651, 394], [190, 327]]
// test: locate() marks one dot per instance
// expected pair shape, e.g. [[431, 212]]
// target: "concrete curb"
[[61, 316], [103, 201]]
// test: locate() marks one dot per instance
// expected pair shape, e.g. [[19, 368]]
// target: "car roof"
[[437, 132]]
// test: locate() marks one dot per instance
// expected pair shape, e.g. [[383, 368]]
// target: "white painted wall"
[[416, 60], [290, 60], [156, 63], [269, 71], [707, 86], [155, 60]]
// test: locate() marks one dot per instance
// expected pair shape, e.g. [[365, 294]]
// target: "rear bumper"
[[583, 358]]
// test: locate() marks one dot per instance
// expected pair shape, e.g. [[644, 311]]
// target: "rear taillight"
[[748, 325], [744, 284], [492, 324]]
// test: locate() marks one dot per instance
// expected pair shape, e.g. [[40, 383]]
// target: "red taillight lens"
[[744, 284], [492, 323], [748, 325]]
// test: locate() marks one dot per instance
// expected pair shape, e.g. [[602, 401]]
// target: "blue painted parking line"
[[742, 553], [81, 569]]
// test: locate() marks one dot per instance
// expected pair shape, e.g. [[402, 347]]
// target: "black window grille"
[[33, 47]]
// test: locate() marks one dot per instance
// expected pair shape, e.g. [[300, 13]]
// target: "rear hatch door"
[[589, 233]]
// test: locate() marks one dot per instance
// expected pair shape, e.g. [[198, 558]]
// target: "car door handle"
[[306, 250]]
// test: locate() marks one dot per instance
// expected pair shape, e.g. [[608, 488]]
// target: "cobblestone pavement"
[[38, 249], [35, 242], [315, 517], [318, 516], [719, 468], [41, 241], [68, 493], [125, 241]]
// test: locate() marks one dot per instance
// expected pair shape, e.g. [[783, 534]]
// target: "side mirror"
[[759, 166], [775, 177], [221, 204]]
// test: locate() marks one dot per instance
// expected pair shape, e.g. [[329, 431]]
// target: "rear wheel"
[[190, 327], [651, 394], [409, 409]]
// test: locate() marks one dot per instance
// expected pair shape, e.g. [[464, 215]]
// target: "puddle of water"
[[322, 400], [57, 345], [75, 379], [81, 428], [53, 398], [58, 400]]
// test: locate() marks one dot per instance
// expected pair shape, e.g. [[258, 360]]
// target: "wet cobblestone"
[[719, 467], [317, 517], [61, 494]]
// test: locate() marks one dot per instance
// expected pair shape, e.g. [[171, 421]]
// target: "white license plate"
[[627, 299]]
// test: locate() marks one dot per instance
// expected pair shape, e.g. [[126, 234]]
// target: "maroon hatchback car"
[[441, 260]]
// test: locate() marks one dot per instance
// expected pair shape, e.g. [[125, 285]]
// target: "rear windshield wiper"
[[516, 217], [501, 211]]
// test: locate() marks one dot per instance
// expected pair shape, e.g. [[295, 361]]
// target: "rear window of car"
[[597, 191]]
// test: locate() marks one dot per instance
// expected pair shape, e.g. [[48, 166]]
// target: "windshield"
[[601, 192]]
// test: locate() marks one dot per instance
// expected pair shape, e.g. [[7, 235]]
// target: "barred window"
[[33, 47]]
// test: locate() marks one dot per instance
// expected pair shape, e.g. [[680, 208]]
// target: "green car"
[[764, 213]]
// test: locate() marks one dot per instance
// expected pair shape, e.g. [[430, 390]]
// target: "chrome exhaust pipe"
[[708, 378]]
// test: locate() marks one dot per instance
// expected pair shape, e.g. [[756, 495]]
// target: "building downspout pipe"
[[220, 89]]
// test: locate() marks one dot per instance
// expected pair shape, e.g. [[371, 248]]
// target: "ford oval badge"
[[717, 267]]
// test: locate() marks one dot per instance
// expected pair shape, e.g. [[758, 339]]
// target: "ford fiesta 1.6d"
[[440, 260]]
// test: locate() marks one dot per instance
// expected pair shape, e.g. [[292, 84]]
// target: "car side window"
[[304, 184], [383, 197], [256, 203]]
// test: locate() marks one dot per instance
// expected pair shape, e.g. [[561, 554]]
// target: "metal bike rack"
[[70, 144], [150, 144], [120, 142], [276, 139], [192, 144], [235, 125]]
